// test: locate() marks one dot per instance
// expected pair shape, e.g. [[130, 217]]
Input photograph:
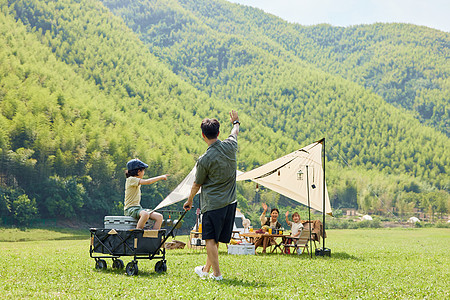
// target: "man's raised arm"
[[235, 121]]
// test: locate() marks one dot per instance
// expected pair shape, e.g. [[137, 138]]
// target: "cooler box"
[[323, 252], [126, 242], [242, 249], [124, 222]]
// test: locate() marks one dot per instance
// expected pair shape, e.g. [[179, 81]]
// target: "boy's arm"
[[153, 180], [194, 190]]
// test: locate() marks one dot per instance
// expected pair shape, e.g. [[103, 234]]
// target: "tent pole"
[[309, 213], [323, 210]]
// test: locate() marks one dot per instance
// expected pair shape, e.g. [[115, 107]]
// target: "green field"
[[365, 264]]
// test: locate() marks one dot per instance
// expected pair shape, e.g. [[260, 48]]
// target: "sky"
[[430, 13]]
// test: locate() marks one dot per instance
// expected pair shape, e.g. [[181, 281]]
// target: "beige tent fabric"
[[182, 191], [280, 176]]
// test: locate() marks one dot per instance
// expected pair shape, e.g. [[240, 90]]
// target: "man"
[[216, 175]]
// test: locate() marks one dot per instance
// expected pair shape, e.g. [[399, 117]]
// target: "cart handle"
[[167, 236]]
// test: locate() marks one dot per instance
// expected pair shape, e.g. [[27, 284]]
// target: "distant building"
[[350, 212]]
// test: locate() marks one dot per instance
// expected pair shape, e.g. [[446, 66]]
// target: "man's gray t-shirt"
[[216, 173]]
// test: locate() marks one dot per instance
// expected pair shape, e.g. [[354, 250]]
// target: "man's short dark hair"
[[210, 128], [275, 209]]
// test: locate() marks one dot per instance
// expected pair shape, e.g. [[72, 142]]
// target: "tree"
[[24, 210]]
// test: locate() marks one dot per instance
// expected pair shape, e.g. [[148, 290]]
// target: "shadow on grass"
[[72, 237], [182, 252], [152, 274], [343, 255], [144, 273], [240, 282], [334, 255], [42, 234], [72, 234]]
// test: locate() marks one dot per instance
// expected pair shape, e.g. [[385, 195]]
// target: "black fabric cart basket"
[[139, 243], [127, 242]]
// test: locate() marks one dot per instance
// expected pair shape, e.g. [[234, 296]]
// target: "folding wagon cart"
[[139, 243]]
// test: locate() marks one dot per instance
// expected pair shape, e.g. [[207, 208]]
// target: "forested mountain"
[[237, 60], [81, 95], [407, 65], [83, 90]]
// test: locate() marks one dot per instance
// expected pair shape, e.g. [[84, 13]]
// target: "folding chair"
[[297, 242], [314, 237]]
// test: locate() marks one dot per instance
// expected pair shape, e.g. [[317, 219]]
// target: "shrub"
[[364, 224], [442, 225], [24, 210]]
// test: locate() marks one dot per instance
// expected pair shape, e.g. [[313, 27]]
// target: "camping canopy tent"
[[287, 176], [366, 218], [299, 175]]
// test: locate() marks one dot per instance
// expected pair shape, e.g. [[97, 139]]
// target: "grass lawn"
[[365, 264]]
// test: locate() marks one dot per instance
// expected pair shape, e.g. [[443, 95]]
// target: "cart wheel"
[[160, 266], [100, 264], [132, 268], [118, 264]]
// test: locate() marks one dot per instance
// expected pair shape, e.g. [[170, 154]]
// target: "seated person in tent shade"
[[272, 222], [132, 204], [296, 224], [296, 228]]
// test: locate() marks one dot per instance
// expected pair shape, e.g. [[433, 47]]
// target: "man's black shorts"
[[218, 224]]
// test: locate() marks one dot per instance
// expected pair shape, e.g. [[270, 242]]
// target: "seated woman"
[[272, 221]]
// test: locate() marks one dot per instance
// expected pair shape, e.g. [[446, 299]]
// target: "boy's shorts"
[[133, 211], [218, 224]]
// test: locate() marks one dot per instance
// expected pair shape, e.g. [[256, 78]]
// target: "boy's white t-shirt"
[[296, 227]]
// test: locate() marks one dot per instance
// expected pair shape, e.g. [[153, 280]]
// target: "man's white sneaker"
[[211, 276], [199, 271]]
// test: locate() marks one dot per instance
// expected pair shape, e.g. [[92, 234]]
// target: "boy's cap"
[[136, 164]]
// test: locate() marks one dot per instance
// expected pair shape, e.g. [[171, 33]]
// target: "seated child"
[[132, 204], [296, 227]]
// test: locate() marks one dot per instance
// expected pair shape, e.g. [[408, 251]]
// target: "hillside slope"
[[80, 96], [405, 64], [283, 92]]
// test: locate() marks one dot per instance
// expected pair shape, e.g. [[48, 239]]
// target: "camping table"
[[252, 236], [196, 235]]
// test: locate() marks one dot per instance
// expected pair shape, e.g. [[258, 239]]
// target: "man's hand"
[[287, 214], [234, 116], [187, 205]]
